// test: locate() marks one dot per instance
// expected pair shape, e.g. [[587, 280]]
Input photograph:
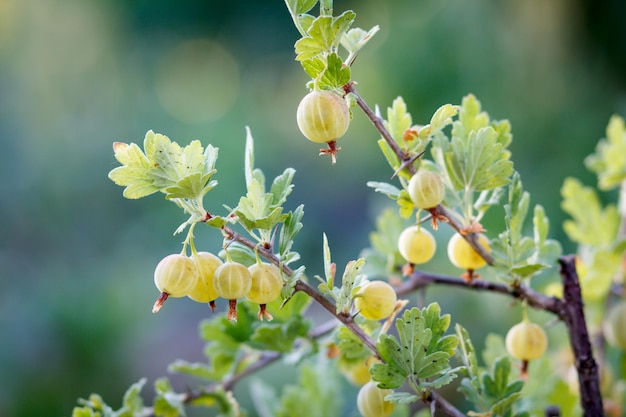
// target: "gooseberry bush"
[[401, 352]]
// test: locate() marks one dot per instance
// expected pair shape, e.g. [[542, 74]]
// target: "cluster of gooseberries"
[[323, 117], [418, 246], [203, 277]]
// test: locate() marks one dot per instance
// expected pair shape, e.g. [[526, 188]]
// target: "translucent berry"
[[463, 256], [375, 300], [231, 281], [371, 401], [175, 276], [267, 283], [526, 341], [426, 189], [416, 245], [323, 116], [204, 292]]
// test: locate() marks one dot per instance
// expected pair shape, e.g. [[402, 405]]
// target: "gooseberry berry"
[[371, 401], [357, 372], [416, 245], [376, 300], [206, 264], [426, 189], [267, 283], [231, 281], [175, 276], [526, 341], [615, 325], [463, 256], [323, 116]]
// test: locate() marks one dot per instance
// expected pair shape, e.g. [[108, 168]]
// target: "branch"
[[419, 279], [573, 315], [378, 123]]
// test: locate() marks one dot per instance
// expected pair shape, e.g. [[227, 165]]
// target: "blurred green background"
[[76, 259]]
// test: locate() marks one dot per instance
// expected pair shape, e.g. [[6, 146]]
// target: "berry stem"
[[159, 302]]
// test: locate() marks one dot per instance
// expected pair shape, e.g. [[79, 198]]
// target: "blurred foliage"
[[76, 258]]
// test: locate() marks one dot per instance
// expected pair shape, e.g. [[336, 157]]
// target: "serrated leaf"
[[132, 399], [198, 370], [323, 35], [478, 162], [398, 119], [180, 172], [167, 402], [414, 355], [518, 256], [291, 226], [349, 280], [385, 240], [609, 159], [297, 7], [389, 190], [356, 38], [279, 337], [591, 224], [349, 345], [402, 398], [315, 395], [442, 118]]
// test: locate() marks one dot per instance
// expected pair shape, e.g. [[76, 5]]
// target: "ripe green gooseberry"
[[376, 300], [267, 283], [175, 276], [323, 116], [426, 189], [615, 325], [371, 401], [463, 256], [206, 264], [231, 281], [417, 245], [526, 341], [357, 372]]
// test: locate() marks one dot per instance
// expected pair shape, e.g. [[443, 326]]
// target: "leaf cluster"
[[420, 355], [318, 48], [516, 255], [493, 391]]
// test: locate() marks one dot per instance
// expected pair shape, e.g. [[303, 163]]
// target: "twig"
[[403, 156], [573, 315]]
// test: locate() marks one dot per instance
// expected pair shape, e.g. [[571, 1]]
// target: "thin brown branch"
[[403, 156], [419, 279]]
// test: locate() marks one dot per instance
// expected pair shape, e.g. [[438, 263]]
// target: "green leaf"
[[419, 354], [291, 226], [398, 120], [198, 370], [167, 402], [179, 172], [518, 256], [389, 190], [384, 243], [328, 72], [133, 403], [478, 162], [350, 346], [609, 160], [317, 393], [356, 38], [279, 337], [402, 398], [323, 35], [133, 174], [349, 281], [329, 267], [591, 224], [282, 187], [297, 7]]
